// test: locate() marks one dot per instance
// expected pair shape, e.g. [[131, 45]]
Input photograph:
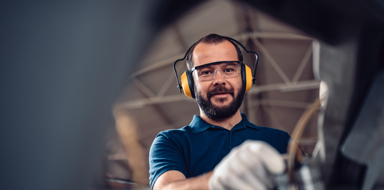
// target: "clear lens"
[[208, 72]]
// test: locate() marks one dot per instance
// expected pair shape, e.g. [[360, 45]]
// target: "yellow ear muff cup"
[[185, 85], [248, 79]]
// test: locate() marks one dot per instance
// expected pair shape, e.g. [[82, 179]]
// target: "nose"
[[218, 78]]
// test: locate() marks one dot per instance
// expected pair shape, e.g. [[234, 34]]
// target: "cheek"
[[236, 85], [200, 88], [240, 85]]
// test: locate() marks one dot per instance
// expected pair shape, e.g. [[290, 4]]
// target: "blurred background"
[[87, 86]]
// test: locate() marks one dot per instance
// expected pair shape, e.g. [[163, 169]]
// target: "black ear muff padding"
[[191, 84], [243, 77]]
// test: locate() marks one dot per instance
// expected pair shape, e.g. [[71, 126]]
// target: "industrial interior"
[[118, 89]]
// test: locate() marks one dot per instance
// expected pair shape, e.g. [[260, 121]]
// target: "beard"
[[219, 113]]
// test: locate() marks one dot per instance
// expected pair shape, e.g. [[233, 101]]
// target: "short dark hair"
[[211, 39]]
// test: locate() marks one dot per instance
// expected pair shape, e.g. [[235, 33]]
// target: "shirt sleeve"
[[285, 142], [165, 155]]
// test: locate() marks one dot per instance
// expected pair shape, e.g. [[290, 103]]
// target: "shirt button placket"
[[230, 134]]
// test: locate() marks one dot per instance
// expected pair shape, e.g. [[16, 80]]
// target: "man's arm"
[[176, 180]]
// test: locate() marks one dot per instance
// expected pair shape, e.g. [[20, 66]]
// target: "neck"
[[227, 123]]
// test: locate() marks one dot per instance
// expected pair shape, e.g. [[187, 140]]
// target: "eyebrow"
[[213, 63]]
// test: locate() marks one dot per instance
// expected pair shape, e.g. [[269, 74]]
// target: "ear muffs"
[[187, 82], [246, 74]]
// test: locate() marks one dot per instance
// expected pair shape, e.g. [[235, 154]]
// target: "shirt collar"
[[198, 125]]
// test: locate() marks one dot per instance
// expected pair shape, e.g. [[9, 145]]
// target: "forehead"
[[207, 53]]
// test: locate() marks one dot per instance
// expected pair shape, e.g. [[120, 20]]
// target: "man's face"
[[221, 97]]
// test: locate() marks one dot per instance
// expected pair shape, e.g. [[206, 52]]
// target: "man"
[[203, 154]]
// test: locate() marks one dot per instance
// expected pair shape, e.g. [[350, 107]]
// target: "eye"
[[205, 72], [228, 70]]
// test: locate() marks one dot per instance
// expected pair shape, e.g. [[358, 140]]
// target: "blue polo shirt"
[[197, 148]]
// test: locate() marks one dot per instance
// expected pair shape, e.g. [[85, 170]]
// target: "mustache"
[[220, 90]]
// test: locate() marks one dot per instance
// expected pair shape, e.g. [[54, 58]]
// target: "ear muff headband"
[[187, 83]]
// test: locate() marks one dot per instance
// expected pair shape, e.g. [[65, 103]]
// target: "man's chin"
[[218, 107], [221, 104], [222, 99], [222, 96]]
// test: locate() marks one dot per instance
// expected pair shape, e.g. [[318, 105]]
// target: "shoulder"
[[275, 134], [263, 129], [279, 139], [174, 133], [171, 137], [268, 130], [273, 131], [167, 153]]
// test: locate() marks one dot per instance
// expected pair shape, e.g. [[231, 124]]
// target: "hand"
[[249, 166]]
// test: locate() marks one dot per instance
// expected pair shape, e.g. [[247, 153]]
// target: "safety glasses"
[[207, 72]]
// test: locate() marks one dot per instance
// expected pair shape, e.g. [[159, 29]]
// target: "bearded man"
[[220, 149]]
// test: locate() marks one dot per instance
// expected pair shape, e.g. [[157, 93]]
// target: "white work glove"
[[248, 166]]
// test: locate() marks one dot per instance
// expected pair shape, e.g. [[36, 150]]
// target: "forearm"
[[199, 182]]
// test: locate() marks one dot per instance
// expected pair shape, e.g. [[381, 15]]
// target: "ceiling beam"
[[149, 94], [300, 85], [272, 35], [280, 103], [142, 88], [271, 61], [157, 65], [303, 63], [139, 103], [241, 37], [166, 85]]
